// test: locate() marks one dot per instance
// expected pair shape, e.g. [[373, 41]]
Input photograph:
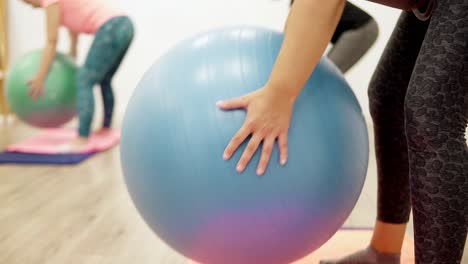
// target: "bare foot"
[[76, 145]]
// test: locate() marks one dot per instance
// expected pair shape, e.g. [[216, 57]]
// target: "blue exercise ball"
[[173, 138]]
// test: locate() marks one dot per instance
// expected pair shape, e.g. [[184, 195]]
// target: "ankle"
[[376, 251], [388, 238]]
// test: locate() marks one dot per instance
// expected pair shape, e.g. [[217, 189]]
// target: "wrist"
[[40, 78], [284, 88]]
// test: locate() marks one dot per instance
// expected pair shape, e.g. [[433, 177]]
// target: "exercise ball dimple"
[[57, 105], [173, 138]]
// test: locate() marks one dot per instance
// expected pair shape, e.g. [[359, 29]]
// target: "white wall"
[[160, 24]]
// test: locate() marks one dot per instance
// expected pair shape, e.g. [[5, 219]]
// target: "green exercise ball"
[[57, 105]]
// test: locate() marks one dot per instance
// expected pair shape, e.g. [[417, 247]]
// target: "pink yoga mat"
[[52, 141]]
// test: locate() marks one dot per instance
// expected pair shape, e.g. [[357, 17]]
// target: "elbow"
[[373, 30], [52, 42], [330, 2], [318, 5], [338, 4]]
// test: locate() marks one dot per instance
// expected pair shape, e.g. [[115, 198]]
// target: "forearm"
[[47, 58], [48, 55], [308, 31], [73, 44]]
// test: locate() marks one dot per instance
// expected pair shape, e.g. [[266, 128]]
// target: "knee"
[[84, 83], [372, 31], [106, 82], [376, 97], [85, 78], [83, 73], [421, 124], [385, 103], [367, 33], [430, 127]]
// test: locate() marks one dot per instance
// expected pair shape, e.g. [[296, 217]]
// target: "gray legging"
[[419, 105]]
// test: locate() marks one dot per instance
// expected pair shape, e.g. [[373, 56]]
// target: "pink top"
[[84, 16]]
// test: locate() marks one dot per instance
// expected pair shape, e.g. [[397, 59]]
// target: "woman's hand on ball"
[[36, 88], [268, 119]]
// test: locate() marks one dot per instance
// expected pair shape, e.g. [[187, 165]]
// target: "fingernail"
[[283, 162], [239, 168], [225, 156], [259, 172], [219, 103]]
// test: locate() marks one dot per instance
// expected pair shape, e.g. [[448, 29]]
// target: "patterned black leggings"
[[419, 105]]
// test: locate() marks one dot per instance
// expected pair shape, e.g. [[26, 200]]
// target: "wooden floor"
[[82, 214]]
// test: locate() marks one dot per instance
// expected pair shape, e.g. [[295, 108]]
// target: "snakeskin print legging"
[[419, 105], [109, 47]]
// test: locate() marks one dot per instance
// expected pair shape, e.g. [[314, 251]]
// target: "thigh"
[[437, 98], [115, 65], [104, 52], [122, 41]]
